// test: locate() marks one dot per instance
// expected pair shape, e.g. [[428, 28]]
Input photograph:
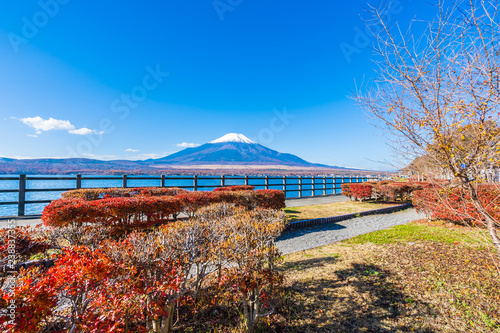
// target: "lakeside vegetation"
[[423, 276]]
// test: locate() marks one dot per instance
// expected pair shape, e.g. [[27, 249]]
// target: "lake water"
[[212, 182]]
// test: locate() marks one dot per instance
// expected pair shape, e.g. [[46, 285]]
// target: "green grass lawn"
[[421, 232]]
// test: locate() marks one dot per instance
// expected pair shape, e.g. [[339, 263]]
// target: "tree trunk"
[[156, 326], [247, 313], [167, 323]]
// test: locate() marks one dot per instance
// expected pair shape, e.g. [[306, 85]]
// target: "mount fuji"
[[232, 149]]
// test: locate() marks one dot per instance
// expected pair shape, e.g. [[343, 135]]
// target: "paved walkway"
[[311, 237], [19, 221]]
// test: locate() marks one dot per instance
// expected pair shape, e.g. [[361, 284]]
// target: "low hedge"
[[101, 193], [454, 204], [346, 190], [361, 191], [131, 210], [235, 188], [381, 191], [121, 214]]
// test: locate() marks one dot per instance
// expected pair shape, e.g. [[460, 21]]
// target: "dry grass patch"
[[333, 209], [415, 286]]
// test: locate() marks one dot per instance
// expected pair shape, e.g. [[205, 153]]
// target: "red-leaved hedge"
[[121, 214], [346, 190], [142, 211], [387, 191], [100, 193], [361, 191], [454, 204], [235, 188]]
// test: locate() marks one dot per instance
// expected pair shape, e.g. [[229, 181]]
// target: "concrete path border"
[[338, 218]]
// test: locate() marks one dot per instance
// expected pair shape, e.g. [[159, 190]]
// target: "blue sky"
[[134, 80]]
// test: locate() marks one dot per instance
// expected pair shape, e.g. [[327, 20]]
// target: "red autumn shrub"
[[346, 190], [100, 193], [104, 291], [392, 192], [85, 194], [235, 188], [162, 191], [385, 190], [454, 204], [361, 191], [270, 199], [67, 212], [121, 214], [192, 201], [28, 305]]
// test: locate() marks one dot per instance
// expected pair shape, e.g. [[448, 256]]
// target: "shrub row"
[[454, 204], [101, 193], [436, 199], [381, 191], [143, 211], [235, 188]]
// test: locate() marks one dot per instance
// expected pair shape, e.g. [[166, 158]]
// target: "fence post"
[[267, 183], [300, 186], [284, 184], [124, 181], [222, 181], [324, 185], [162, 181], [246, 180], [78, 182], [22, 195], [195, 183]]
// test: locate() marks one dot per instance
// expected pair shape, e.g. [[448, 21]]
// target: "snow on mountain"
[[233, 137]]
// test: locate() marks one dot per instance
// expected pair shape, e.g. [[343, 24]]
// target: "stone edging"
[[325, 220]]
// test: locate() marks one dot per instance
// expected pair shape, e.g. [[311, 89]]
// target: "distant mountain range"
[[230, 151]]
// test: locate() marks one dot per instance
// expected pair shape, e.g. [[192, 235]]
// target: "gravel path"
[[308, 238]]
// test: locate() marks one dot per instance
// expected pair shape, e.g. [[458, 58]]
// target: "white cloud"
[[82, 131], [188, 145], [51, 124], [132, 150]]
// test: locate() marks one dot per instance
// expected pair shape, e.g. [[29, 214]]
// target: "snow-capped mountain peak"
[[233, 137]]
